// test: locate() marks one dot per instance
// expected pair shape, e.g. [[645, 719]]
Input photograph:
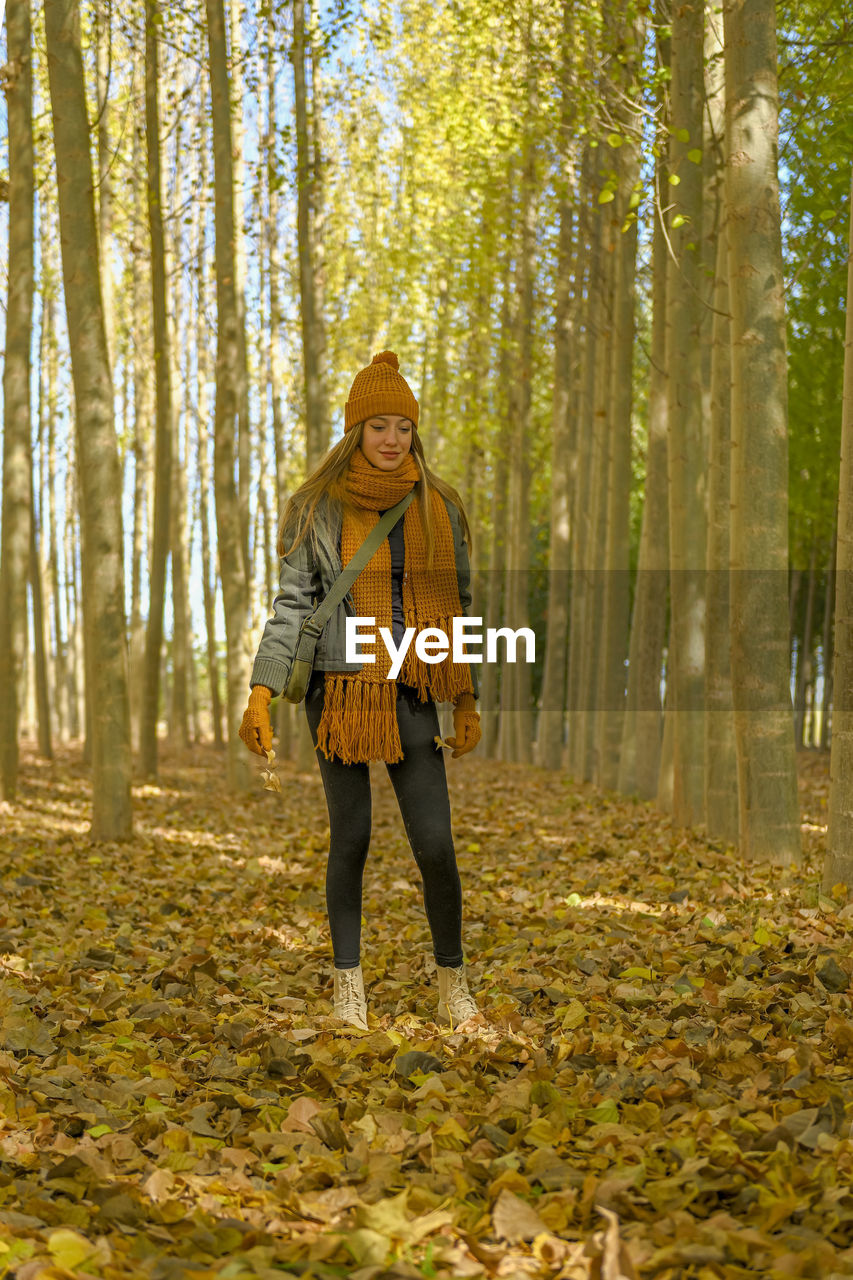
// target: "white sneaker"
[[350, 1004], [455, 1002]]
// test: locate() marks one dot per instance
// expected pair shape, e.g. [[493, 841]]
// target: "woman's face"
[[386, 439]]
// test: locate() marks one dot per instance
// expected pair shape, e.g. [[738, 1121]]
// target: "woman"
[[418, 578]]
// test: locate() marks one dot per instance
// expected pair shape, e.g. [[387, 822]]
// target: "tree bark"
[[640, 754], [720, 755], [494, 696], [103, 68], [804, 655], [48, 283], [550, 730], [592, 680], [17, 453], [769, 825], [42, 697], [101, 524], [164, 427], [826, 641], [838, 865], [316, 408], [208, 582], [687, 518], [617, 595], [41, 533], [230, 384], [244, 442], [591, 232], [518, 559]]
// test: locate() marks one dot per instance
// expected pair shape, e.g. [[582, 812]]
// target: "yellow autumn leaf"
[[69, 1249]]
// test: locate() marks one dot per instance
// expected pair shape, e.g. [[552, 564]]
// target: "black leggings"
[[420, 784]]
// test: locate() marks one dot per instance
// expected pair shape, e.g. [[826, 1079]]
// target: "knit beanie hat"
[[379, 389]]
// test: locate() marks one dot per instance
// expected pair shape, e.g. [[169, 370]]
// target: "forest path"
[[662, 1073]]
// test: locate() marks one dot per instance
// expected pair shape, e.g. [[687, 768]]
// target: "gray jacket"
[[305, 578]]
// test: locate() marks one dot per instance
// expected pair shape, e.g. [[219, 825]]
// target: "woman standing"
[[418, 578]]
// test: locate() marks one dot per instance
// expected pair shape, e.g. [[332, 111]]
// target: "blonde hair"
[[329, 479]]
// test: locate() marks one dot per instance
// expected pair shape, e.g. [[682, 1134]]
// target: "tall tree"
[[685, 314], [838, 865], [720, 754], [769, 825], [163, 398], [518, 673], [102, 565], [611, 710], [640, 754], [230, 385], [313, 343], [549, 736], [17, 458], [103, 80], [244, 444], [592, 229]]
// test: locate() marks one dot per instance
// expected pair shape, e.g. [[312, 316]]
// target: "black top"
[[398, 557]]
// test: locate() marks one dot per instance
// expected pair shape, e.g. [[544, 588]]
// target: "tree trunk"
[[590, 232], [233, 568], [140, 360], [769, 823], [244, 442], [518, 558], [838, 866], [97, 455], [316, 409], [49, 279], [592, 680], [317, 219], [17, 453], [41, 534], [640, 754], [663, 797], [104, 72], [687, 518], [826, 642], [720, 755], [208, 584], [721, 806], [617, 595], [275, 377], [494, 695], [163, 392], [804, 658], [42, 696], [179, 536], [549, 735]]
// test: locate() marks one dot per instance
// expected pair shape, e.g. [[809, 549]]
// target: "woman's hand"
[[466, 724], [256, 729]]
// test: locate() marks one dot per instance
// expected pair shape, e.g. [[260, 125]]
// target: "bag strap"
[[318, 619]]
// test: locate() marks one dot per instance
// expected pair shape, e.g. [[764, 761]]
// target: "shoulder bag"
[[309, 632]]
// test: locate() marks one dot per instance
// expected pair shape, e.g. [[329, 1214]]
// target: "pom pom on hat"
[[380, 388], [386, 357]]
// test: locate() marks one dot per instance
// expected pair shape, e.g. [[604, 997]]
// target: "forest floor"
[[661, 1084]]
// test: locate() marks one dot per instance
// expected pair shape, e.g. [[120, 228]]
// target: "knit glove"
[[466, 724], [256, 729]]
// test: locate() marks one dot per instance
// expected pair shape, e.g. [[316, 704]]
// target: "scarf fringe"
[[359, 720], [442, 681]]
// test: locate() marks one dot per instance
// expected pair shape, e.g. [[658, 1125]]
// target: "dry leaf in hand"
[[440, 742], [272, 781]]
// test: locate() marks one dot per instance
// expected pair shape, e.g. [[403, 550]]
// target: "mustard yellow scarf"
[[359, 720]]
